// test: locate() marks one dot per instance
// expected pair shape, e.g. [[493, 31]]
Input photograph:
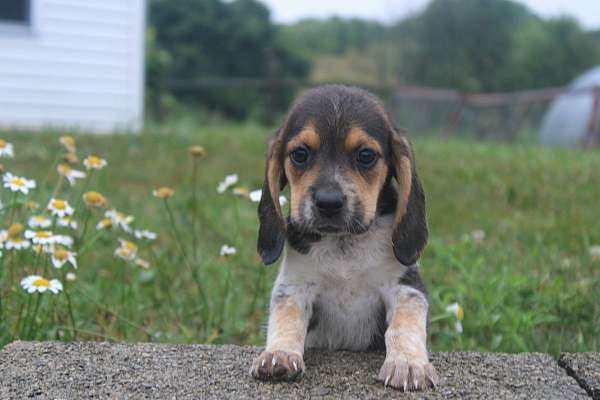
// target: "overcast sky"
[[586, 11]]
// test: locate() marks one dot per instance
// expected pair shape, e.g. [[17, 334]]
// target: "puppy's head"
[[340, 153]]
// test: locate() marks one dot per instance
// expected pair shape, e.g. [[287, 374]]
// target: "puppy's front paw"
[[402, 373], [277, 366]]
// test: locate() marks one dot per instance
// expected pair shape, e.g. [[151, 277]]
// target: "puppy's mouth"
[[328, 228]]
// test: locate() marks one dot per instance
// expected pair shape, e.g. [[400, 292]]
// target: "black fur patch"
[[378, 340], [388, 198], [299, 240], [413, 279], [314, 318]]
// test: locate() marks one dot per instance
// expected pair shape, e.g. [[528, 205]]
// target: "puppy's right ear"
[[271, 233]]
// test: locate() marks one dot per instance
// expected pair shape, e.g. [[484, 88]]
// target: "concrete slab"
[[585, 368], [51, 370]]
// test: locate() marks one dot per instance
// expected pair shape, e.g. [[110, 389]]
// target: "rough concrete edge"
[[562, 363]]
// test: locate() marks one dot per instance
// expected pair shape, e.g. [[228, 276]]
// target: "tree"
[[464, 43], [551, 53], [211, 40]]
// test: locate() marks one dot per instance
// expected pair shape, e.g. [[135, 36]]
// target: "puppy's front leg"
[[288, 322], [406, 363]]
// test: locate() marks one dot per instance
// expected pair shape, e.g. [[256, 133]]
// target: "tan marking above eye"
[[357, 138], [308, 136]]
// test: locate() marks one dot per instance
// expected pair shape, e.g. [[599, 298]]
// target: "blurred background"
[[501, 98]]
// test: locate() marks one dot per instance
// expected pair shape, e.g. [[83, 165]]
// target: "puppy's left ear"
[[271, 233], [410, 232]]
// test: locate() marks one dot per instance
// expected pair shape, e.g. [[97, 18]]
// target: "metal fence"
[[502, 116], [509, 117]]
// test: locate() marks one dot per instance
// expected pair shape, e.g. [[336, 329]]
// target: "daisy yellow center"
[[41, 282], [197, 151], [14, 231], [67, 141], [43, 234], [18, 181], [2, 143], [30, 205], [93, 198], [106, 222], [460, 314], [71, 158], [59, 204], [64, 169], [61, 254], [40, 218], [164, 192], [127, 245], [94, 161]]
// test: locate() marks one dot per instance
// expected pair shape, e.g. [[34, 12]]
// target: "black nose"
[[329, 202]]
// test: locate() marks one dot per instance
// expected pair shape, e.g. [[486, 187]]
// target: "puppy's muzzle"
[[329, 202]]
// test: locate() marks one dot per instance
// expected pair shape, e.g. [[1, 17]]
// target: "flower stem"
[[35, 311], [194, 208], [187, 264], [13, 208], [86, 219], [83, 188], [69, 306]]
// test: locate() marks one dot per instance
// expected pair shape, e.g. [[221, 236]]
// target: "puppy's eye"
[[366, 158], [299, 155]]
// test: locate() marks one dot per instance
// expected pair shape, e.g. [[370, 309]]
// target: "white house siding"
[[79, 66]]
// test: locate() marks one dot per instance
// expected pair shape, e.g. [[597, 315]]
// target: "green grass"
[[529, 285]]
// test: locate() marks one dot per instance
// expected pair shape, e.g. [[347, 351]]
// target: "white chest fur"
[[343, 282]]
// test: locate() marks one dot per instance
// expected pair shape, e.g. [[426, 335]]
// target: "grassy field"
[[511, 232]]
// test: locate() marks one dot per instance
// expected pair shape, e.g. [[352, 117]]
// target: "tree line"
[[220, 55]]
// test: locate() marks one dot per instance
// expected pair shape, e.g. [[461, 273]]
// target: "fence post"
[[455, 116], [592, 137]]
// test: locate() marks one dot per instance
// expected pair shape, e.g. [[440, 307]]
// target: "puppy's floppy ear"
[[410, 232], [271, 233]]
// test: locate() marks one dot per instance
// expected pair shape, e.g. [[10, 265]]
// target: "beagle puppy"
[[349, 278]]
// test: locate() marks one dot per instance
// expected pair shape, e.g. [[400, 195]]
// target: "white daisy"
[[35, 283], [227, 250], [68, 142], [256, 195], [6, 149], [70, 173], [229, 181], [67, 222], [61, 256], [40, 237], [282, 200], [64, 240], [93, 162], [17, 243], [39, 221], [119, 219], [18, 183], [458, 313], [104, 223], [71, 276], [144, 234], [142, 263], [60, 208], [127, 250]]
